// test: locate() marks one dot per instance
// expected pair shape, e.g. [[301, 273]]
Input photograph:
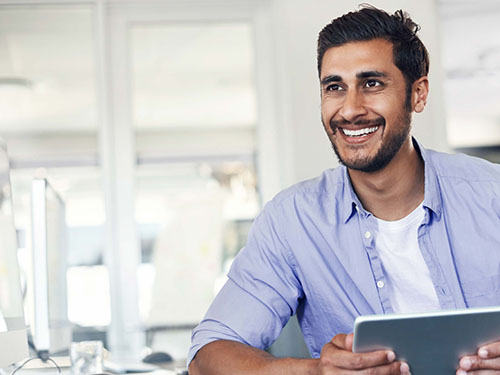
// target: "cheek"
[[328, 110], [325, 119], [380, 109], [387, 104]]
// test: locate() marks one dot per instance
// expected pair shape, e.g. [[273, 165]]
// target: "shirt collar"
[[351, 201], [432, 197]]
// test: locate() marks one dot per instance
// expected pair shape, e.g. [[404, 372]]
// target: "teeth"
[[360, 132]]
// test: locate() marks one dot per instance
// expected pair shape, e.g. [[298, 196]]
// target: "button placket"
[[368, 233]]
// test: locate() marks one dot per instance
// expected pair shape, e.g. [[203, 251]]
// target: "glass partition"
[[194, 116], [49, 119]]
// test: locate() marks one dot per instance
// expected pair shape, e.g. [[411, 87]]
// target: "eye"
[[372, 83], [333, 87]]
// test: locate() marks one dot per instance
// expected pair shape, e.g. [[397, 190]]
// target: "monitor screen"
[[50, 328], [13, 332]]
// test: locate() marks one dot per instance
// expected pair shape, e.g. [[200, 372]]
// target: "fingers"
[[356, 368], [359, 361], [487, 358], [340, 341], [489, 351], [348, 341], [470, 364], [479, 372], [396, 368], [335, 355], [343, 341]]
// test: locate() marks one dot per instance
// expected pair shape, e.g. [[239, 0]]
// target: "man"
[[396, 228]]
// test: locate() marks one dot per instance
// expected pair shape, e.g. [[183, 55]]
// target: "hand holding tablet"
[[337, 358], [441, 343], [486, 358]]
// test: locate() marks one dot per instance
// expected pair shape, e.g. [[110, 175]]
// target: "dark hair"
[[409, 53]]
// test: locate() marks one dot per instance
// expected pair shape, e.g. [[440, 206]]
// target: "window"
[[49, 120]]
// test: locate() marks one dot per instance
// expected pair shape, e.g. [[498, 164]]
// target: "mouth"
[[359, 132]]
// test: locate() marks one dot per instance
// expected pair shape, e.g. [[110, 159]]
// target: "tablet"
[[431, 343]]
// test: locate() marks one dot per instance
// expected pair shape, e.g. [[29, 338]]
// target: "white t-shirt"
[[408, 277]]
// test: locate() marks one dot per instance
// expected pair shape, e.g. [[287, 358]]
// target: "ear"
[[420, 90]]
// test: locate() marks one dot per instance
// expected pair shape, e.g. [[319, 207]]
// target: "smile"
[[360, 132]]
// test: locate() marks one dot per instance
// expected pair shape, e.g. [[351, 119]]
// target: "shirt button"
[[368, 234], [380, 284]]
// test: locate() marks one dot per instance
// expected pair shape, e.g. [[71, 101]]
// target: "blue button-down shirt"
[[311, 252]]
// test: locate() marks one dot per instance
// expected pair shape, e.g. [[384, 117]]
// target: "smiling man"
[[356, 101], [395, 228], [366, 108]]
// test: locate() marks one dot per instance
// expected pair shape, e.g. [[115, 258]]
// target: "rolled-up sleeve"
[[261, 294]]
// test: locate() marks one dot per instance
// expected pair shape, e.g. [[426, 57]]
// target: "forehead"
[[354, 57]]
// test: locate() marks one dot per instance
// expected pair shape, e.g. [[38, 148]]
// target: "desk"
[[67, 371], [37, 367]]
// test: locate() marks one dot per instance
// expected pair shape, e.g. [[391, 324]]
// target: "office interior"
[[165, 126]]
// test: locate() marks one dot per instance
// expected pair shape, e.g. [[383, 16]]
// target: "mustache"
[[334, 124]]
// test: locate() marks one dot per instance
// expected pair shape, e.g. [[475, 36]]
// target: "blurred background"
[[166, 125]]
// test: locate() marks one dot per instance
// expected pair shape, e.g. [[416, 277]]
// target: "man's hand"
[[485, 362], [337, 358]]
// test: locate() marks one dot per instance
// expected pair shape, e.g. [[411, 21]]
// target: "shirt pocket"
[[484, 291]]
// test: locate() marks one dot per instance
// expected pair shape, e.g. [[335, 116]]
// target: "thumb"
[[348, 342]]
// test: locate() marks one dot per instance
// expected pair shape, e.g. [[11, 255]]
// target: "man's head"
[[409, 53], [373, 72]]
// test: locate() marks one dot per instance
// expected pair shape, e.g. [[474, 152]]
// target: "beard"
[[390, 146]]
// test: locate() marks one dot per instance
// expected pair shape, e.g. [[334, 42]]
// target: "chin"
[[360, 160]]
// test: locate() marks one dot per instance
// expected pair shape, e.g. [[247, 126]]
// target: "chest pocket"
[[484, 291]]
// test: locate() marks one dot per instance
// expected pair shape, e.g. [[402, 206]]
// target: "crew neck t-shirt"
[[407, 276]]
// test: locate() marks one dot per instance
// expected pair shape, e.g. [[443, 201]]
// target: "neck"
[[396, 190]]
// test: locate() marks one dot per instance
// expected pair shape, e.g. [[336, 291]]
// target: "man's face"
[[364, 107]]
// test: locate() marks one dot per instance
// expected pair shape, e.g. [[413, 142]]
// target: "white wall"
[[306, 149]]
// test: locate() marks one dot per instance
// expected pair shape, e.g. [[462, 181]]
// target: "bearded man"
[[395, 228]]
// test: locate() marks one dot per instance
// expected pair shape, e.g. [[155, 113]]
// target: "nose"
[[352, 107]]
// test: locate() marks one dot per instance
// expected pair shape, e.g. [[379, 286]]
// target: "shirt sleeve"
[[261, 294]]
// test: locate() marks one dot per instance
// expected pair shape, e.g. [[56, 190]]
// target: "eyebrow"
[[330, 79], [360, 75], [370, 74]]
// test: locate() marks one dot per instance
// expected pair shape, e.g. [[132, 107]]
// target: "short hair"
[[409, 53]]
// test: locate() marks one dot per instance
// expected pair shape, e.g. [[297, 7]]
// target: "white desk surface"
[[36, 366], [67, 371]]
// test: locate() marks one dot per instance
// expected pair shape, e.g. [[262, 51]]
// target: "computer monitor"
[[13, 330], [50, 328]]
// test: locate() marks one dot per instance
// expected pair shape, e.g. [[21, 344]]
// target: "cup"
[[86, 357]]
